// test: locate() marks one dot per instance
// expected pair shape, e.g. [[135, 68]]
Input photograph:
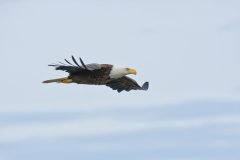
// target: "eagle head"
[[131, 71], [120, 72]]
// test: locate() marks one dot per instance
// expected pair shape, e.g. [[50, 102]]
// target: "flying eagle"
[[98, 74]]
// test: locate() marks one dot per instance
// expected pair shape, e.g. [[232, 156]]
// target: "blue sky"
[[187, 50]]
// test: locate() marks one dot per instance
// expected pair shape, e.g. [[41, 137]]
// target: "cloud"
[[105, 126]]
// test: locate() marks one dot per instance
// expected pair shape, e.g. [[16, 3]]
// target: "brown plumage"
[[98, 74]]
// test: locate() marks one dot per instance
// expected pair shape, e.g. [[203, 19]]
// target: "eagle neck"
[[117, 72]]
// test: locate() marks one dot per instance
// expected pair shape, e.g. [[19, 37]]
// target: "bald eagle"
[[98, 74]]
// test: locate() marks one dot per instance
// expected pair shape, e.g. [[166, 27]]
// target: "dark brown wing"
[[75, 68], [85, 74], [127, 84]]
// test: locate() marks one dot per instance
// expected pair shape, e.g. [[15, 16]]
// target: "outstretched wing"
[[127, 84], [74, 67]]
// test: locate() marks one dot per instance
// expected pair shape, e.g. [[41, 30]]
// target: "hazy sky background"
[[187, 50]]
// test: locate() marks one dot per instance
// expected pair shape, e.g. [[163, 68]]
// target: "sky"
[[187, 50]]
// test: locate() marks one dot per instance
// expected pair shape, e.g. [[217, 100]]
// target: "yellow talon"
[[67, 81]]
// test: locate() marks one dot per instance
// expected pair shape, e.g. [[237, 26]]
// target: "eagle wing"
[[74, 68], [127, 84]]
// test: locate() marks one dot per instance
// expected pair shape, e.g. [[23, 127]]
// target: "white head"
[[120, 72]]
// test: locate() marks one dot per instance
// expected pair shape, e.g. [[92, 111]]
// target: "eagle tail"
[[59, 80]]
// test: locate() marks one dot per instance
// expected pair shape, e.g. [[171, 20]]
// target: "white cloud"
[[104, 126], [110, 103]]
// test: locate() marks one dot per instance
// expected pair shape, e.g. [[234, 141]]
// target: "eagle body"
[[98, 74], [95, 77]]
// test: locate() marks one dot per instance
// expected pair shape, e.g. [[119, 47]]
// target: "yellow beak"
[[132, 71]]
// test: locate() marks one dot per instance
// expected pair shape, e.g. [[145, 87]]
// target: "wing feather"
[[83, 63], [71, 68], [68, 62], [74, 60], [127, 84]]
